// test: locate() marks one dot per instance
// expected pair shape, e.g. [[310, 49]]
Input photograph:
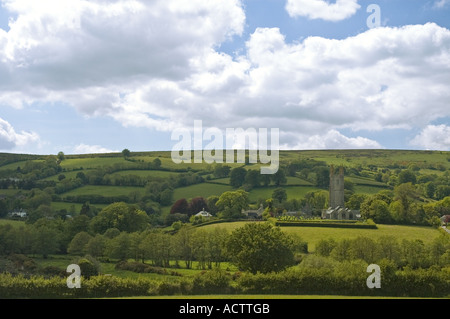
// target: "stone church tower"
[[336, 188]]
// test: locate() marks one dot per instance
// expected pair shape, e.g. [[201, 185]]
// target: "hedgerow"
[[350, 279]]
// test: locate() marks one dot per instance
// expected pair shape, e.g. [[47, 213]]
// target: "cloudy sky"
[[103, 75]]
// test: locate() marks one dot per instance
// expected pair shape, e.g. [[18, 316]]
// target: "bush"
[[215, 281], [89, 266], [144, 268]]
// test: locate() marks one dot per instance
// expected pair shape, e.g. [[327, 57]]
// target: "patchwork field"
[[313, 235]]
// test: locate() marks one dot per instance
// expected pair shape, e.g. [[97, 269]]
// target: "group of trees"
[[249, 179], [407, 253], [400, 206]]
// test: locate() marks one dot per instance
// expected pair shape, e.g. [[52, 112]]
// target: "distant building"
[[337, 208], [254, 214], [18, 213], [203, 213], [445, 219], [336, 188], [341, 213]]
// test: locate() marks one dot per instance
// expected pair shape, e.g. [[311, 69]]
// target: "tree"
[[364, 248], [389, 248], [379, 212], [406, 176], [78, 244], [212, 200], [82, 177], [96, 246], [121, 216], [221, 171], [405, 194], [183, 244], [355, 201], [279, 178], [279, 194], [197, 204], [126, 153], [252, 178], [231, 203], [181, 206], [89, 266], [237, 177], [119, 247], [156, 163], [442, 191], [430, 189], [45, 241], [260, 247], [3, 208], [322, 176], [325, 246], [61, 156], [165, 197]]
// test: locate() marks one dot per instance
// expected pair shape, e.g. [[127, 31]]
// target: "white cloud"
[[10, 139], [439, 4], [433, 137], [155, 64], [335, 140], [322, 9], [91, 149], [60, 45]]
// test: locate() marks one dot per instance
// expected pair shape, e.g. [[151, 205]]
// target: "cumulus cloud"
[[162, 69], [10, 139], [91, 149], [439, 4], [433, 137], [335, 140], [67, 45], [323, 9]]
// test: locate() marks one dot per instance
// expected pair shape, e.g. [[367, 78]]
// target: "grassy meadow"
[[312, 235]]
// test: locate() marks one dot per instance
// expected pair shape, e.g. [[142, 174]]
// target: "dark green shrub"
[[215, 281]]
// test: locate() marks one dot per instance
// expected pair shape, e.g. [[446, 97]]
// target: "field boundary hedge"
[[335, 224], [406, 283]]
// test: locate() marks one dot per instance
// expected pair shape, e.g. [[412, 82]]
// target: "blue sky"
[[94, 76]]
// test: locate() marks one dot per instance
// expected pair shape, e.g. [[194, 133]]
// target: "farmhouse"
[[254, 214], [445, 219], [337, 208], [203, 213], [18, 213]]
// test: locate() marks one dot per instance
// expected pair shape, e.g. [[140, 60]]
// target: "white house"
[[18, 213], [203, 213]]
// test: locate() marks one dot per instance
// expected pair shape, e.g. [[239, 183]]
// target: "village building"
[[337, 208], [203, 213], [445, 219], [18, 213], [254, 214]]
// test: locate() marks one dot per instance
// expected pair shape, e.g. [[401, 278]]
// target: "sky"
[[99, 76]]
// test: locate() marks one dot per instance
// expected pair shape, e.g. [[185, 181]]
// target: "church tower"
[[336, 188]]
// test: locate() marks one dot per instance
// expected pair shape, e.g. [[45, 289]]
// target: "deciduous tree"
[[260, 247]]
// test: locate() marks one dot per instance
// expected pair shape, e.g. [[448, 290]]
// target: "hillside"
[[154, 181]]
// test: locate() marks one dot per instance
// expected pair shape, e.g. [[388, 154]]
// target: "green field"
[[70, 174], [104, 190], [15, 165], [70, 206], [14, 223], [363, 189], [205, 190], [296, 192], [146, 173], [90, 162], [313, 235]]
